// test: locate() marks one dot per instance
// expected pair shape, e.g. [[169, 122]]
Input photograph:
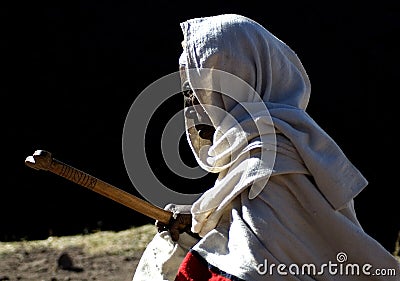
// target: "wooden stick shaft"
[[79, 177]]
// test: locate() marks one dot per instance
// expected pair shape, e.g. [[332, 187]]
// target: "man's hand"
[[180, 222]]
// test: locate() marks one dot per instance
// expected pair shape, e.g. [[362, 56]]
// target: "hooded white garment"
[[285, 189], [241, 47]]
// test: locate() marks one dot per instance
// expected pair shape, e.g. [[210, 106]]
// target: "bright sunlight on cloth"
[[285, 190]]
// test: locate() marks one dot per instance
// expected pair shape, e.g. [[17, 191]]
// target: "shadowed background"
[[71, 72]]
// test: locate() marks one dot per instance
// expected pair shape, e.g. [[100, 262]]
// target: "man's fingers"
[[174, 231], [181, 224], [161, 226]]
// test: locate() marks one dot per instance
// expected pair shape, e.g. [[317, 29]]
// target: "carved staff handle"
[[43, 160]]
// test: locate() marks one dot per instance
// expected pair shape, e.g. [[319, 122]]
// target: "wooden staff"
[[42, 160]]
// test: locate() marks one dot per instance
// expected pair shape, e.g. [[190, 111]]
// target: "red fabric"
[[195, 268]]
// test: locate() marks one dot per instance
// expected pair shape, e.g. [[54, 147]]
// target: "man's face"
[[193, 110]]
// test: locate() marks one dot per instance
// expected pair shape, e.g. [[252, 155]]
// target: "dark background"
[[71, 71]]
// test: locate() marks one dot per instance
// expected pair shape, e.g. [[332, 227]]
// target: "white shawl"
[[285, 190], [236, 56]]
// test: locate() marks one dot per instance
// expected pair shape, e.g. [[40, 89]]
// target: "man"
[[282, 205]]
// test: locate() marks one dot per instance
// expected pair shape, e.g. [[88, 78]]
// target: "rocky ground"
[[102, 256]]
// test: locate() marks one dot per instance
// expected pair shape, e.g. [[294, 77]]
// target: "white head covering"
[[274, 89]]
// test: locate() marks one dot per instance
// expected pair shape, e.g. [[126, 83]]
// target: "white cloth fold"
[[162, 257], [240, 72], [284, 195]]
